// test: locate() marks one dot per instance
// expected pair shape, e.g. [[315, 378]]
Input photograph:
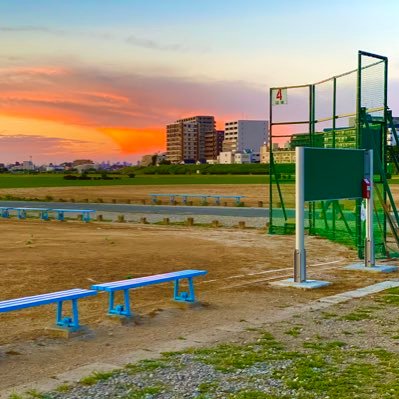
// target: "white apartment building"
[[225, 157], [230, 157], [242, 157], [244, 135]]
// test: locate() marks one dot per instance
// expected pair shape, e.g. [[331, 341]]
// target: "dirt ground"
[[252, 192], [136, 194], [39, 257]]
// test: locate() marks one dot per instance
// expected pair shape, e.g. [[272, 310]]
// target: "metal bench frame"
[[154, 197], [71, 323], [5, 211], [85, 213], [21, 212], [126, 285], [44, 212]]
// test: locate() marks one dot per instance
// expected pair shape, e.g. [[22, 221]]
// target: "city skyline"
[[102, 80]]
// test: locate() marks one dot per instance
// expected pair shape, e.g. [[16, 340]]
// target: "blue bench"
[[5, 211], [217, 198], [21, 212], [70, 323], [126, 285], [172, 197], [84, 212]]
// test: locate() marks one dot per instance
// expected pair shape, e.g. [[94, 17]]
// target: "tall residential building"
[[213, 144], [182, 142], [191, 139], [244, 135]]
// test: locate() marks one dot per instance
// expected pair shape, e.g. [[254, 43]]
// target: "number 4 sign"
[[279, 96]]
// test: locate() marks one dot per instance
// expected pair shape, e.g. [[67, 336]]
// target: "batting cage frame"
[[349, 110]]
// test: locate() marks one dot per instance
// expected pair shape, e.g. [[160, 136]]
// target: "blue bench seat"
[[70, 323], [204, 197], [84, 212], [126, 285]]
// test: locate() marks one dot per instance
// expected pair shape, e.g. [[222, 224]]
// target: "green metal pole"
[[311, 141], [358, 239], [333, 145], [385, 127], [271, 166]]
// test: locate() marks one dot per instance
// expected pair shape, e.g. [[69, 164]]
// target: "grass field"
[[8, 180], [55, 180]]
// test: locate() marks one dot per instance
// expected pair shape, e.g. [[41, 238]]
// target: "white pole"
[[369, 256], [300, 254]]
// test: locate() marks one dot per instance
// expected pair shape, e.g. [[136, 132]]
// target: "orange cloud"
[[31, 70], [136, 141], [131, 110]]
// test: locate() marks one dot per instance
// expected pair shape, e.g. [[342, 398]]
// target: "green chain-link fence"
[[344, 111]]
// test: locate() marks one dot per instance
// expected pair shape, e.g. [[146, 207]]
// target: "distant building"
[[148, 160], [152, 159], [255, 157], [304, 140], [213, 144], [28, 165], [229, 157], [284, 155], [191, 140], [241, 135], [264, 153], [226, 157], [390, 136], [242, 157]]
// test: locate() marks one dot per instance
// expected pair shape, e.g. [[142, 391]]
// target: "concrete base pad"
[[308, 284], [58, 332], [375, 269]]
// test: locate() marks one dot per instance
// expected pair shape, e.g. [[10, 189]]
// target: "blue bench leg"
[[5, 213], [120, 310], [111, 302], [69, 323], [44, 215], [60, 216], [182, 296], [127, 303], [75, 314], [86, 217], [59, 314]]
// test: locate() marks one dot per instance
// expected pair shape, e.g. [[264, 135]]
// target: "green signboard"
[[331, 174]]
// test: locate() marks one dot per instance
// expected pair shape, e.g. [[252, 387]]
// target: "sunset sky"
[[99, 79]]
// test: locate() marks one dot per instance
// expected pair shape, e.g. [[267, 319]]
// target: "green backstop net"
[[344, 111]]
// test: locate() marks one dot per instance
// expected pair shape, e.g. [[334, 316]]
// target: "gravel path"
[[227, 221], [183, 377]]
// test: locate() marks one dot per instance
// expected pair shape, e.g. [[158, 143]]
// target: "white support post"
[[300, 253], [369, 255]]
